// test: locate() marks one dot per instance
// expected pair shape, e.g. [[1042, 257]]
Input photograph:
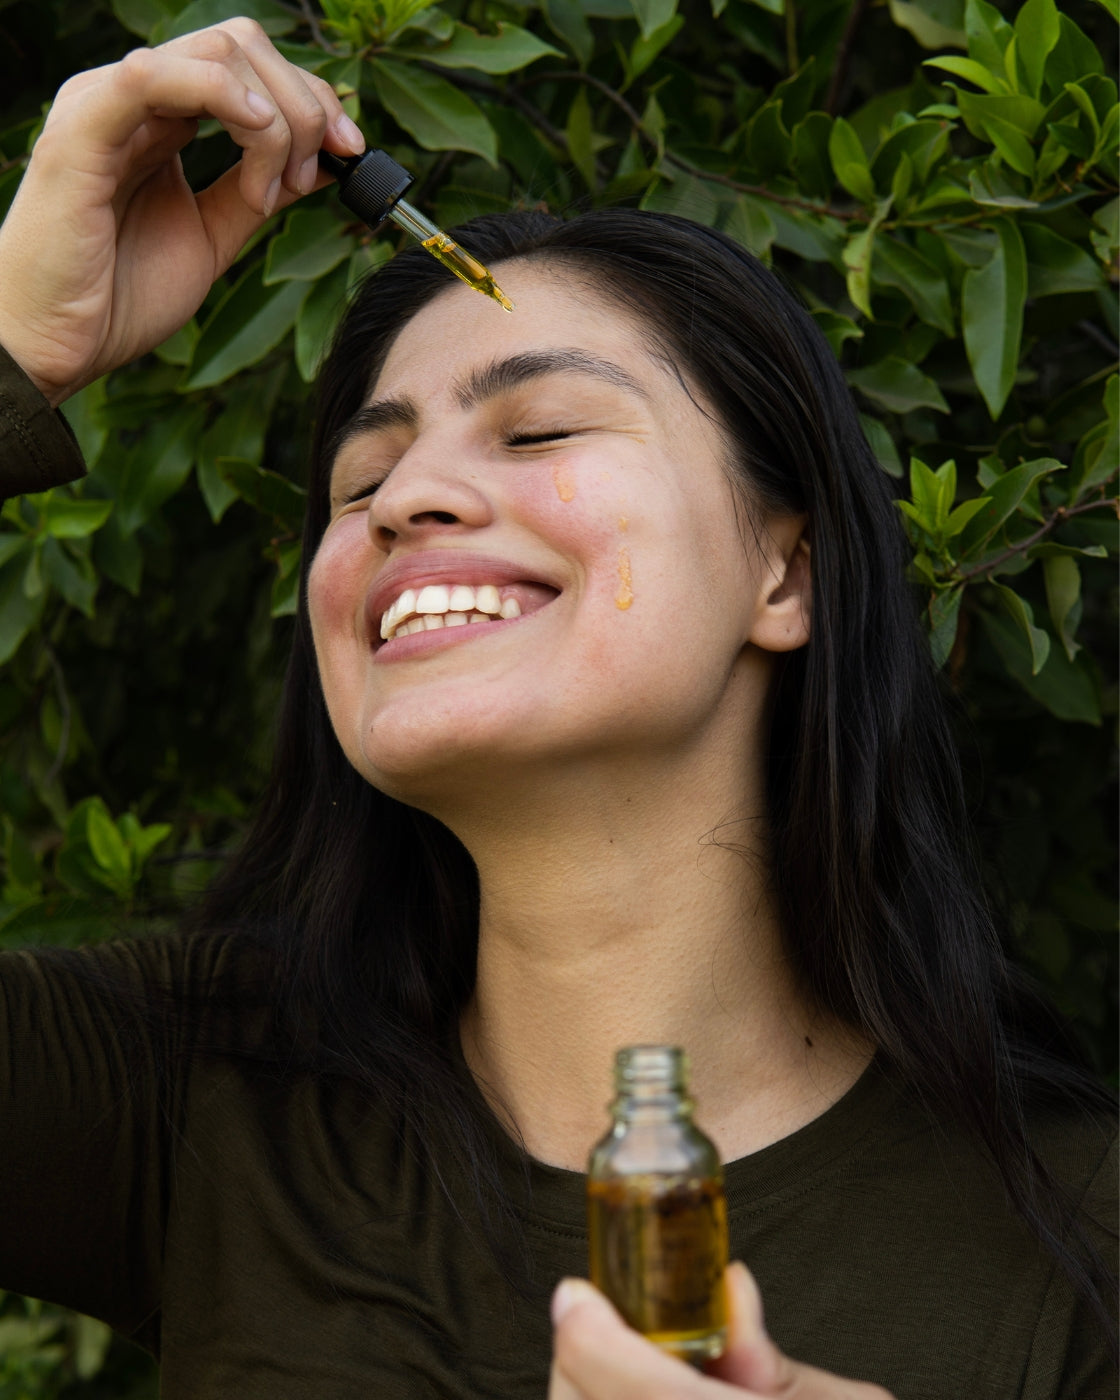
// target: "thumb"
[[751, 1359]]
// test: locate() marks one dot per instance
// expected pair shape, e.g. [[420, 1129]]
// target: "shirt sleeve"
[[90, 1072], [38, 449]]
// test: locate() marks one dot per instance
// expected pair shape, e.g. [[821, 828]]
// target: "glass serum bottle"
[[656, 1211]]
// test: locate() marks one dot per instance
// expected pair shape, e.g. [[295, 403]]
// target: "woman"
[[684, 778]]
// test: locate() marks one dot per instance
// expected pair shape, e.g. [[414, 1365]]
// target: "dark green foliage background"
[[955, 235]]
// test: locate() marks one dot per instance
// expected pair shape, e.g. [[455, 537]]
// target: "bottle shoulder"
[[670, 1148]]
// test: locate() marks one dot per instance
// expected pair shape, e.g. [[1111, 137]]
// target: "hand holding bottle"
[[597, 1357], [106, 250]]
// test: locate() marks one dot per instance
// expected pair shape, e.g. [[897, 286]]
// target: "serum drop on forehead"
[[657, 1217]]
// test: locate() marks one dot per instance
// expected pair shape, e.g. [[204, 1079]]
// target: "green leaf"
[[992, 302], [270, 493], [275, 19], [318, 317], [970, 71], [936, 24], [249, 321], [1019, 610], [508, 50], [836, 328], [750, 224], [645, 49], [988, 35], [896, 264], [567, 21], [74, 578], [68, 518], [285, 588], [1065, 688], [1105, 233], [857, 259], [177, 349], [769, 145], [898, 385], [154, 467], [142, 16], [310, 246], [944, 615], [83, 412], [119, 557], [1098, 454], [578, 132], [1063, 597], [849, 161], [810, 157], [437, 115], [881, 444], [1037, 29], [1004, 495], [991, 187], [18, 612], [653, 14], [236, 431], [107, 845], [1055, 265]]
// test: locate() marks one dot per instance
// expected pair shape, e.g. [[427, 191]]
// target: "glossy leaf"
[[250, 320], [509, 49], [896, 264], [310, 246], [992, 304], [1020, 612], [1063, 597], [1004, 495], [898, 385], [436, 114]]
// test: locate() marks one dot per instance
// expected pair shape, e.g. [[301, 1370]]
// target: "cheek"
[[337, 582]]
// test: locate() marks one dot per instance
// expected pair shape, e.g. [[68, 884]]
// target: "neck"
[[636, 911]]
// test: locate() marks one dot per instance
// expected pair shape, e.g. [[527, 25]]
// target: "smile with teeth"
[[442, 605]]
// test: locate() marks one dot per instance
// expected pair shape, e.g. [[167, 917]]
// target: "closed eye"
[[532, 439], [361, 494]]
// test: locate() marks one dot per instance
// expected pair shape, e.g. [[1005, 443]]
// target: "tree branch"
[[1060, 516], [843, 54], [792, 201]]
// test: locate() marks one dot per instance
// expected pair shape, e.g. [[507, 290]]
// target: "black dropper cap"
[[368, 185]]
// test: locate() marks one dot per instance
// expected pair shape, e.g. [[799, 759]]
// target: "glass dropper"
[[371, 187]]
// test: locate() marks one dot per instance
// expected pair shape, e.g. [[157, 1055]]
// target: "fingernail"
[[570, 1292], [348, 133], [271, 197], [261, 105], [305, 180]]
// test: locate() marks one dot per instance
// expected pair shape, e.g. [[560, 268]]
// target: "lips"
[[445, 589]]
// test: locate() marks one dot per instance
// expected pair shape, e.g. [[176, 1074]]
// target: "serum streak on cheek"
[[565, 488], [625, 595]]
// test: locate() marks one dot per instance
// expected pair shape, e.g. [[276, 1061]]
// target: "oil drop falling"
[[565, 489], [625, 595]]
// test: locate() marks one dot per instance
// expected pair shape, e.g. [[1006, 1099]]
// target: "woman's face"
[[544, 491]]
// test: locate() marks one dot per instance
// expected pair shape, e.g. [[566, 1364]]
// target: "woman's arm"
[[106, 250]]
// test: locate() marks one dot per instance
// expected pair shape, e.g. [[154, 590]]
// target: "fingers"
[[277, 113], [597, 1357]]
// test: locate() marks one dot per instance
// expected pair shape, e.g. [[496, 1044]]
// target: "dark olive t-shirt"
[[274, 1236], [271, 1235]]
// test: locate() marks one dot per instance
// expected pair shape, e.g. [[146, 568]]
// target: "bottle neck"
[[651, 1084]]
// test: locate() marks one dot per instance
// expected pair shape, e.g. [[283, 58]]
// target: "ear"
[[784, 602]]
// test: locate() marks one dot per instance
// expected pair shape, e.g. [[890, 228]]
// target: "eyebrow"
[[498, 377]]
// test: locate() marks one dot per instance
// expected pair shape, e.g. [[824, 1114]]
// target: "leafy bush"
[[955, 236]]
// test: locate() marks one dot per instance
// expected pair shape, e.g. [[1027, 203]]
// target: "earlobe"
[[783, 614]]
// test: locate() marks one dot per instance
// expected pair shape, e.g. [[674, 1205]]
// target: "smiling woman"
[[608, 720]]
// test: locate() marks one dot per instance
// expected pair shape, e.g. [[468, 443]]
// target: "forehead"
[[447, 341]]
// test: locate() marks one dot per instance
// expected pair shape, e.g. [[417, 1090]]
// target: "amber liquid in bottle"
[[656, 1212]]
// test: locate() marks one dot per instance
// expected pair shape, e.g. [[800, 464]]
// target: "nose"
[[432, 489]]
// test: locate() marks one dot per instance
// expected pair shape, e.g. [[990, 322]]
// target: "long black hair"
[[371, 907]]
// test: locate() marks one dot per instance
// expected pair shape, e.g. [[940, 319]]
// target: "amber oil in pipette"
[[468, 268], [657, 1217]]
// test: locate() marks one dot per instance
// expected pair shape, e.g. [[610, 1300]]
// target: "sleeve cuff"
[[38, 449]]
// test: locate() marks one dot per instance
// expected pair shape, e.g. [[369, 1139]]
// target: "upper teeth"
[[444, 605]]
